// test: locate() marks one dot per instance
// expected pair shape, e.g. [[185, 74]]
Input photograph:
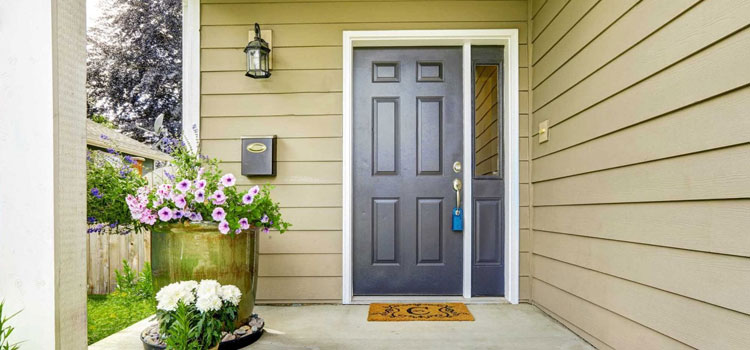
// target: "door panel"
[[407, 134], [487, 174]]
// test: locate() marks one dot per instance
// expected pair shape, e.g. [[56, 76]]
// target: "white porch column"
[[42, 171]]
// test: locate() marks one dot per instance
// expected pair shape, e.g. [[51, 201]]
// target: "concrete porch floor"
[[309, 327]]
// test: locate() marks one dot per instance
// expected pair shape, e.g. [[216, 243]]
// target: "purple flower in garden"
[[228, 180], [201, 171], [219, 197], [200, 196], [179, 201], [129, 159], [104, 137], [248, 198], [111, 150], [165, 214], [264, 219], [183, 186], [266, 230], [244, 224], [237, 231], [200, 184], [169, 176], [91, 219], [218, 214], [178, 214], [158, 201], [95, 192], [254, 190], [195, 217], [224, 227], [125, 171]]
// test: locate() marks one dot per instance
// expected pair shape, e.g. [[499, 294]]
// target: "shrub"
[[6, 330], [137, 285]]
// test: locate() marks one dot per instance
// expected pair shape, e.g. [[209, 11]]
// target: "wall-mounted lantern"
[[258, 57]]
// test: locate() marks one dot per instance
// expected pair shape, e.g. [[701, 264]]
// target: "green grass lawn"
[[108, 314]]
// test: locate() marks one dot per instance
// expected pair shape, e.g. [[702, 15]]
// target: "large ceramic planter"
[[197, 251]]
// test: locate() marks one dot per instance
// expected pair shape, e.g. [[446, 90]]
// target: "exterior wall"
[[301, 103], [640, 198], [42, 192]]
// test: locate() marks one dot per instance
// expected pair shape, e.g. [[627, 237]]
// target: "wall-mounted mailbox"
[[259, 155]]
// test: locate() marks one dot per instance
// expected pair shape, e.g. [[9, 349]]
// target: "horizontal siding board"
[[545, 15], [354, 12], [292, 173], [288, 150], [606, 326], [598, 344], [716, 70], [294, 81], [710, 226], [270, 104], [281, 126], [299, 265], [577, 55], [524, 288], [720, 122], [565, 20], [284, 58], [712, 278], [523, 125], [536, 5], [689, 321], [312, 219], [524, 265], [591, 26], [718, 174], [684, 36], [525, 240], [301, 242], [298, 288], [330, 34]]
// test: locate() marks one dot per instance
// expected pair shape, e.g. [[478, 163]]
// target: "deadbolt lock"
[[457, 167]]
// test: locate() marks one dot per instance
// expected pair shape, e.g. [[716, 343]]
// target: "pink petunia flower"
[[266, 230], [218, 198], [195, 217], [254, 190], [237, 231], [224, 227], [200, 184], [228, 180], [219, 214], [200, 196], [264, 219], [165, 214], [178, 214], [179, 201], [247, 199], [183, 186], [244, 224]]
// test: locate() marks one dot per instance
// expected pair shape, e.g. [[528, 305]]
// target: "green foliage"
[[6, 330], [183, 333], [134, 284], [131, 302], [100, 119], [109, 178]]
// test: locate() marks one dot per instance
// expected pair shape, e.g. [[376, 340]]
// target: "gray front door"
[[407, 105]]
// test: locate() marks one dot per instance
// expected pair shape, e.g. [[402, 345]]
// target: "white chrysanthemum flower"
[[168, 297], [185, 292], [231, 294], [208, 288], [208, 303]]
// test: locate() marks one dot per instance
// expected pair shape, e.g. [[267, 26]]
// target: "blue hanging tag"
[[458, 219]]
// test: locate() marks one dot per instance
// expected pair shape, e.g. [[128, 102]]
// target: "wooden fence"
[[105, 254]]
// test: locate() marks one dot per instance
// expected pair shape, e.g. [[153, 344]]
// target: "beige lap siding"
[[640, 198], [301, 103]]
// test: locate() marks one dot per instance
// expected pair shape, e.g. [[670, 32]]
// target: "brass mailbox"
[[259, 155]]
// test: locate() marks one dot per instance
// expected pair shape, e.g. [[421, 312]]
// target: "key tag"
[[458, 219]]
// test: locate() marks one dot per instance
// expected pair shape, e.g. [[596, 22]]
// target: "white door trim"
[[464, 38]]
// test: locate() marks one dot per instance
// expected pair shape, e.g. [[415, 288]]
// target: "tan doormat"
[[419, 312]]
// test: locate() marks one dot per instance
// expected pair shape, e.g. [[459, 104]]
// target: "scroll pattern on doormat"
[[419, 312]]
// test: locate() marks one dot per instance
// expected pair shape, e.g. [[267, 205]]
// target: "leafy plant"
[[211, 309], [198, 190], [109, 177], [183, 333], [132, 283], [100, 119], [6, 330]]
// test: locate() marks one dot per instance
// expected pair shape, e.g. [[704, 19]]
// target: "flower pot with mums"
[[205, 226]]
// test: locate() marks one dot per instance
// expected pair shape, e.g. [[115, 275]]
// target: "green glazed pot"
[[198, 251]]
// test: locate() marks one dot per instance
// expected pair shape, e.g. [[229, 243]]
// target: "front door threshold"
[[427, 299]]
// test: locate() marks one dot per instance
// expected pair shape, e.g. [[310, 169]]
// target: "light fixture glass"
[[257, 53]]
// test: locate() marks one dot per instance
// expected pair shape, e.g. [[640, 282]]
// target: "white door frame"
[[465, 39]]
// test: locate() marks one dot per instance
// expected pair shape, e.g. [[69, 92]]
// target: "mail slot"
[[259, 155]]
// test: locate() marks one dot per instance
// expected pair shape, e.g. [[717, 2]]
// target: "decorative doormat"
[[419, 312]]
